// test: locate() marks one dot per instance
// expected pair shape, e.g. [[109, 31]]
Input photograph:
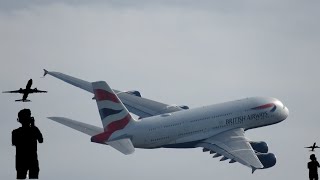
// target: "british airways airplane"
[[218, 129]]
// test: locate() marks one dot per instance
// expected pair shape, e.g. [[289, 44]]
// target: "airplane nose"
[[286, 112], [283, 110]]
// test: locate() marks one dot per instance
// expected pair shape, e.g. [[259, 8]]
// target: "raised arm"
[[39, 135]]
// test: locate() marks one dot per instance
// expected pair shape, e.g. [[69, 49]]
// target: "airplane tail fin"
[[114, 115]]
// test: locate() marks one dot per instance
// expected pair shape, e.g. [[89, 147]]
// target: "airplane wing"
[[144, 107], [38, 91], [233, 145], [140, 106], [312, 147], [15, 91]]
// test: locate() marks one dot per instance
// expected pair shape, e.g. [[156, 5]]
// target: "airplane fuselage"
[[217, 128], [184, 129]]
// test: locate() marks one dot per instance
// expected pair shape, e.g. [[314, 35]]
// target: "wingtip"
[[53, 118], [253, 169], [45, 72]]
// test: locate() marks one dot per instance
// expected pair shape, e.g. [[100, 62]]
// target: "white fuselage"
[[184, 129]]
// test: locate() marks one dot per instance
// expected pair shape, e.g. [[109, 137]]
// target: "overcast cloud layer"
[[177, 52]]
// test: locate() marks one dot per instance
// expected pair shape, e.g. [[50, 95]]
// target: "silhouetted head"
[[24, 116], [313, 157]]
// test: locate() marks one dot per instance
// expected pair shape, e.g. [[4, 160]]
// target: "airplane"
[[312, 147], [218, 129], [26, 92]]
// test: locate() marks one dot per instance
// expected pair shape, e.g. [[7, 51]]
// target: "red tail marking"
[[101, 95], [111, 128]]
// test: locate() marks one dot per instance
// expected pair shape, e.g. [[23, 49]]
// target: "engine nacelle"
[[259, 146], [267, 159], [135, 93], [184, 107]]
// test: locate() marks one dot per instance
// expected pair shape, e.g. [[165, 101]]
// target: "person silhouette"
[[313, 168], [25, 139]]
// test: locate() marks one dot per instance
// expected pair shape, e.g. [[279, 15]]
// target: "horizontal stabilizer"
[[79, 126], [26, 100], [125, 146]]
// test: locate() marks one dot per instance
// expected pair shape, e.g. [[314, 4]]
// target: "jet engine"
[[267, 159], [259, 146], [184, 107], [135, 93]]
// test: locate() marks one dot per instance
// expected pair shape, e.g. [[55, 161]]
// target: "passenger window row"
[[189, 133], [217, 116], [171, 125], [159, 139]]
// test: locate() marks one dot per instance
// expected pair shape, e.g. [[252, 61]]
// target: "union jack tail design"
[[114, 115]]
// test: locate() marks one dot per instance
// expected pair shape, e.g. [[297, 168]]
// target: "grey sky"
[[177, 52]]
